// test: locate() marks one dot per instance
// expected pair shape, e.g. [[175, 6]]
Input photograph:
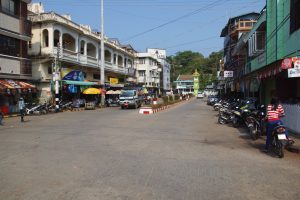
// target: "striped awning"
[[8, 86]]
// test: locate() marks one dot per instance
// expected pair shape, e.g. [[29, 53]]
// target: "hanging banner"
[[287, 63], [75, 75]]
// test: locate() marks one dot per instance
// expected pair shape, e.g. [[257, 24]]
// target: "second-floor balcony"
[[141, 79], [242, 25], [15, 24]]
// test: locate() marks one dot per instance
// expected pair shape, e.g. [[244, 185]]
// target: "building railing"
[[26, 67], [292, 117], [242, 25], [26, 27], [86, 31]]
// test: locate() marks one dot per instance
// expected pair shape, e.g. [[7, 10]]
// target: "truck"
[[131, 98]]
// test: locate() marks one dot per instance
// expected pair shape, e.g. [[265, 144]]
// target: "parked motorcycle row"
[[245, 113], [39, 109]]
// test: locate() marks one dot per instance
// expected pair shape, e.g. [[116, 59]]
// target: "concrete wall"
[[10, 66], [9, 23], [280, 42]]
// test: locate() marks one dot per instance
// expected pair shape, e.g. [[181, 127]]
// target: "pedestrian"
[[22, 108], [275, 111], [1, 118]]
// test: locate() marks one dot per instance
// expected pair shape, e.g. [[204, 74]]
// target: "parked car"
[[200, 95]]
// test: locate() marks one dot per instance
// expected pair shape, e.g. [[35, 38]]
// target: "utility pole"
[[56, 78], [102, 75]]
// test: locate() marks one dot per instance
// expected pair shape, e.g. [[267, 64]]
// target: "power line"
[[175, 20], [201, 26], [192, 42]]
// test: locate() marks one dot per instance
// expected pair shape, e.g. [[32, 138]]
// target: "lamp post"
[[102, 75]]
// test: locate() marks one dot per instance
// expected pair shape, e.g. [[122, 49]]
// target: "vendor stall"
[[11, 91], [112, 97], [92, 98]]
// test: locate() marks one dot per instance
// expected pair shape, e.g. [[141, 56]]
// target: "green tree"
[[187, 61]]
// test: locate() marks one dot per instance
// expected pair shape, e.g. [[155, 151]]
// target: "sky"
[[174, 25]]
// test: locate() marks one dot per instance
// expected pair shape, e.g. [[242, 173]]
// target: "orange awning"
[[8, 86]]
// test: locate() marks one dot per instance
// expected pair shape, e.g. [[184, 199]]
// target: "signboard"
[[294, 72], [297, 63], [75, 75], [286, 63], [228, 74], [113, 81]]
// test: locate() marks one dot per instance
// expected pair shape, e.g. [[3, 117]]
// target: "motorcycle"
[[278, 140], [255, 122], [34, 109]]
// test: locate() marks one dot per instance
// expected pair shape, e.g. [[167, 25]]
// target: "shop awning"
[[80, 83], [92, 91], [15, 86]]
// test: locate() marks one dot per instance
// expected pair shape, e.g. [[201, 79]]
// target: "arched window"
[[56, 38], [120, 61], [45, 38], [107, 56], [82, 43], [69, 42], [91, 50]]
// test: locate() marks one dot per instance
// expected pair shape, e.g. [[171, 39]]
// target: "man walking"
[[22, 108]]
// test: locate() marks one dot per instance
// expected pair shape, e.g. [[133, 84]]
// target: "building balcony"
[[16, 25], [15, 67], [92, 61], [25, 28], [141, 79], [243, 25]]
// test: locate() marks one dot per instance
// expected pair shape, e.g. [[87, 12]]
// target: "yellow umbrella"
[[92, 91]]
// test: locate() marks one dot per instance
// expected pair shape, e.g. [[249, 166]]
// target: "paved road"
[[181, 153]]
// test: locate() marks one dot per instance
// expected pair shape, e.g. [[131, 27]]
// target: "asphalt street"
[[181, 153]]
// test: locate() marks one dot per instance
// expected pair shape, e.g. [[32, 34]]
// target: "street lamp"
[[102, 75]]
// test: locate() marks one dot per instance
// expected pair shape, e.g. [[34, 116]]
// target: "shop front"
[[280, 79], [10, 93], [76, 89]]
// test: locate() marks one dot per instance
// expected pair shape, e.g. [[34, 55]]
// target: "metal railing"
[[26, 67], [292, 117]]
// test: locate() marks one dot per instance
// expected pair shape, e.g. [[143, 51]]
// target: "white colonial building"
[[148, 72], [161, 56], [154, 71], [77, 47]]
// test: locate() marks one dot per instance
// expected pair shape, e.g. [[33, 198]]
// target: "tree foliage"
[[187, 61]]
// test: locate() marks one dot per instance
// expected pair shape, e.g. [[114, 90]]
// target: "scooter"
[[32, 110], [278, 140]]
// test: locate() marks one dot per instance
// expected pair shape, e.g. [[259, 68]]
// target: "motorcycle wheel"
[[216, 108], [235, 123], [221, 120], [279, 149], [253, 133]]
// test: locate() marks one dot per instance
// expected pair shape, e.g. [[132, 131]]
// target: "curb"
[[149, 110], [77, 109], [13, 115]]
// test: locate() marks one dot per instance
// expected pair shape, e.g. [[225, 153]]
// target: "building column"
[[51, 37], [85, 49]]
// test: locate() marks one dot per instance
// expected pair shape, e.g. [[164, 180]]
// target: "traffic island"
[[160, 107]]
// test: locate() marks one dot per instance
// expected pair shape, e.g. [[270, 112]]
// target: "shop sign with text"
[[228, 74], [113, 81], [294, 72]]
